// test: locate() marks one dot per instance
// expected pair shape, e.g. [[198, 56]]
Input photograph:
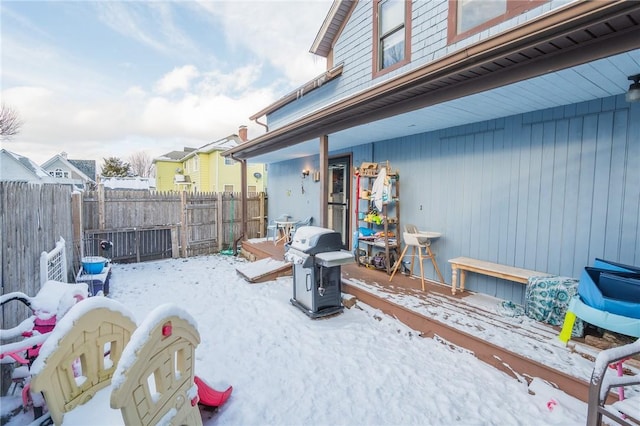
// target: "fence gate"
[[132, 244], [200, 223]]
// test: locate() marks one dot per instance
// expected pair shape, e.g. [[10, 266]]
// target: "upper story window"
[[391, 35], [467, 17], [59, 173], [191, 165], [228, 161]]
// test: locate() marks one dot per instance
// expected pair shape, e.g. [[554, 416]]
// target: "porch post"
[[324, 185]]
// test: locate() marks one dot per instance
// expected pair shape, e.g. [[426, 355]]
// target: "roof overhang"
[[317, 82], [331, 26], [575, 34]]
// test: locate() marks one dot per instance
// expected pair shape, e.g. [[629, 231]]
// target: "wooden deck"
[[453, 318]]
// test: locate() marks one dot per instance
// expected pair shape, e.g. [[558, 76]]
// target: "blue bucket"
[[93, 264]]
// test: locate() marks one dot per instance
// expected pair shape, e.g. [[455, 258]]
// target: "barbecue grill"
[[316, 255]]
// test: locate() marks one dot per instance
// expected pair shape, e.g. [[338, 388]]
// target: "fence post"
[[175, 247], [77, 221], [102, 209], [136, 236], [261, 220], [184, 224], [220, 220]]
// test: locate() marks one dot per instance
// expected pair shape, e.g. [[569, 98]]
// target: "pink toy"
[[51, 303]]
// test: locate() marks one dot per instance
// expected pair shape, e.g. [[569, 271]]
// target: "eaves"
[[575, 34]]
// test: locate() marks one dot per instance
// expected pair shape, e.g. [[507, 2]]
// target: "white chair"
[[272, 227], [420, 242], [307, 221]]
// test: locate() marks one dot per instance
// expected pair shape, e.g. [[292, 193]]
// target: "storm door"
[[339, 194]]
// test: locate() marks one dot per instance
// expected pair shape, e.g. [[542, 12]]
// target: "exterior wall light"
[[633, 94], [305, 173]]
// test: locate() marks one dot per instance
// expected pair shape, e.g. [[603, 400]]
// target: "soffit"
[[577, 34], [331, 26]]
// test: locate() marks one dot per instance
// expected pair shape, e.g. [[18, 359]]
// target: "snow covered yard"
[[359, 367]]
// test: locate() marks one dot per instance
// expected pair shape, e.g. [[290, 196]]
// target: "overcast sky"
[[111, 78]]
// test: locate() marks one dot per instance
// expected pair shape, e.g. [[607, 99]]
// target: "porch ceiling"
[[585, 52]]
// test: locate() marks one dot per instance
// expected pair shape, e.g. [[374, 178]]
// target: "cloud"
[[124, 18], [272, 31], [150, 23], [136, 119], [178, 79], [93, 109]]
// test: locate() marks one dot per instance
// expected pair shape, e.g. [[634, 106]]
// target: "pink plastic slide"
[[209, 396]]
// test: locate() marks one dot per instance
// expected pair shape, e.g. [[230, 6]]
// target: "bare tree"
[[141, 164], [10, 122]]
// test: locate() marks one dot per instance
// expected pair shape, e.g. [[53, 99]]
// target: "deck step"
[[262, 270]]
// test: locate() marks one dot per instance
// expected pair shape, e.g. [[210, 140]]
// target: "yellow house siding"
[[229, 174], [204, 182], [261, 182], [208, 173], [165, 172]]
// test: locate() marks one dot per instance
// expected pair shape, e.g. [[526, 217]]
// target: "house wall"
[[165, 172], [211, 176], [354, 48], [548, 190], [290, 194], [11, 170], [259, 182], [231, 175], [73, 179]]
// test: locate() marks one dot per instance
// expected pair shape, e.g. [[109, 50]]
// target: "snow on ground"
[[357, 368]]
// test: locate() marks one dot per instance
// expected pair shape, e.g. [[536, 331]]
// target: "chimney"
[[242, 132], [63, 155]]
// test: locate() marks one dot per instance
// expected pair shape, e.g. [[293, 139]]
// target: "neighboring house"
[[129, 182], [508, 124], [16, 168], [81, 174], [204, 169]]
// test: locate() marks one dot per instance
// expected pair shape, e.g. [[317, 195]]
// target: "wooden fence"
[[142, 226], [194, 223], [32, 219]]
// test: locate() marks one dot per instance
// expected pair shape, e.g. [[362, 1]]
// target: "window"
[[59, 173], [252, 189], [228, 161], [467, 17], [228, 188], [191, 165], [391, 35]]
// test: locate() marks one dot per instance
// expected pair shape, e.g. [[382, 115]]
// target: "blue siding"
[[548, 190], [354, 49], [285, 189]]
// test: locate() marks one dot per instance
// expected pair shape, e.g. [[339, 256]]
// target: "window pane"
[[391, 15], [472, 13], [392, 48]]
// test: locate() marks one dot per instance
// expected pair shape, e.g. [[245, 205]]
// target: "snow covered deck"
[[477, 323]]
